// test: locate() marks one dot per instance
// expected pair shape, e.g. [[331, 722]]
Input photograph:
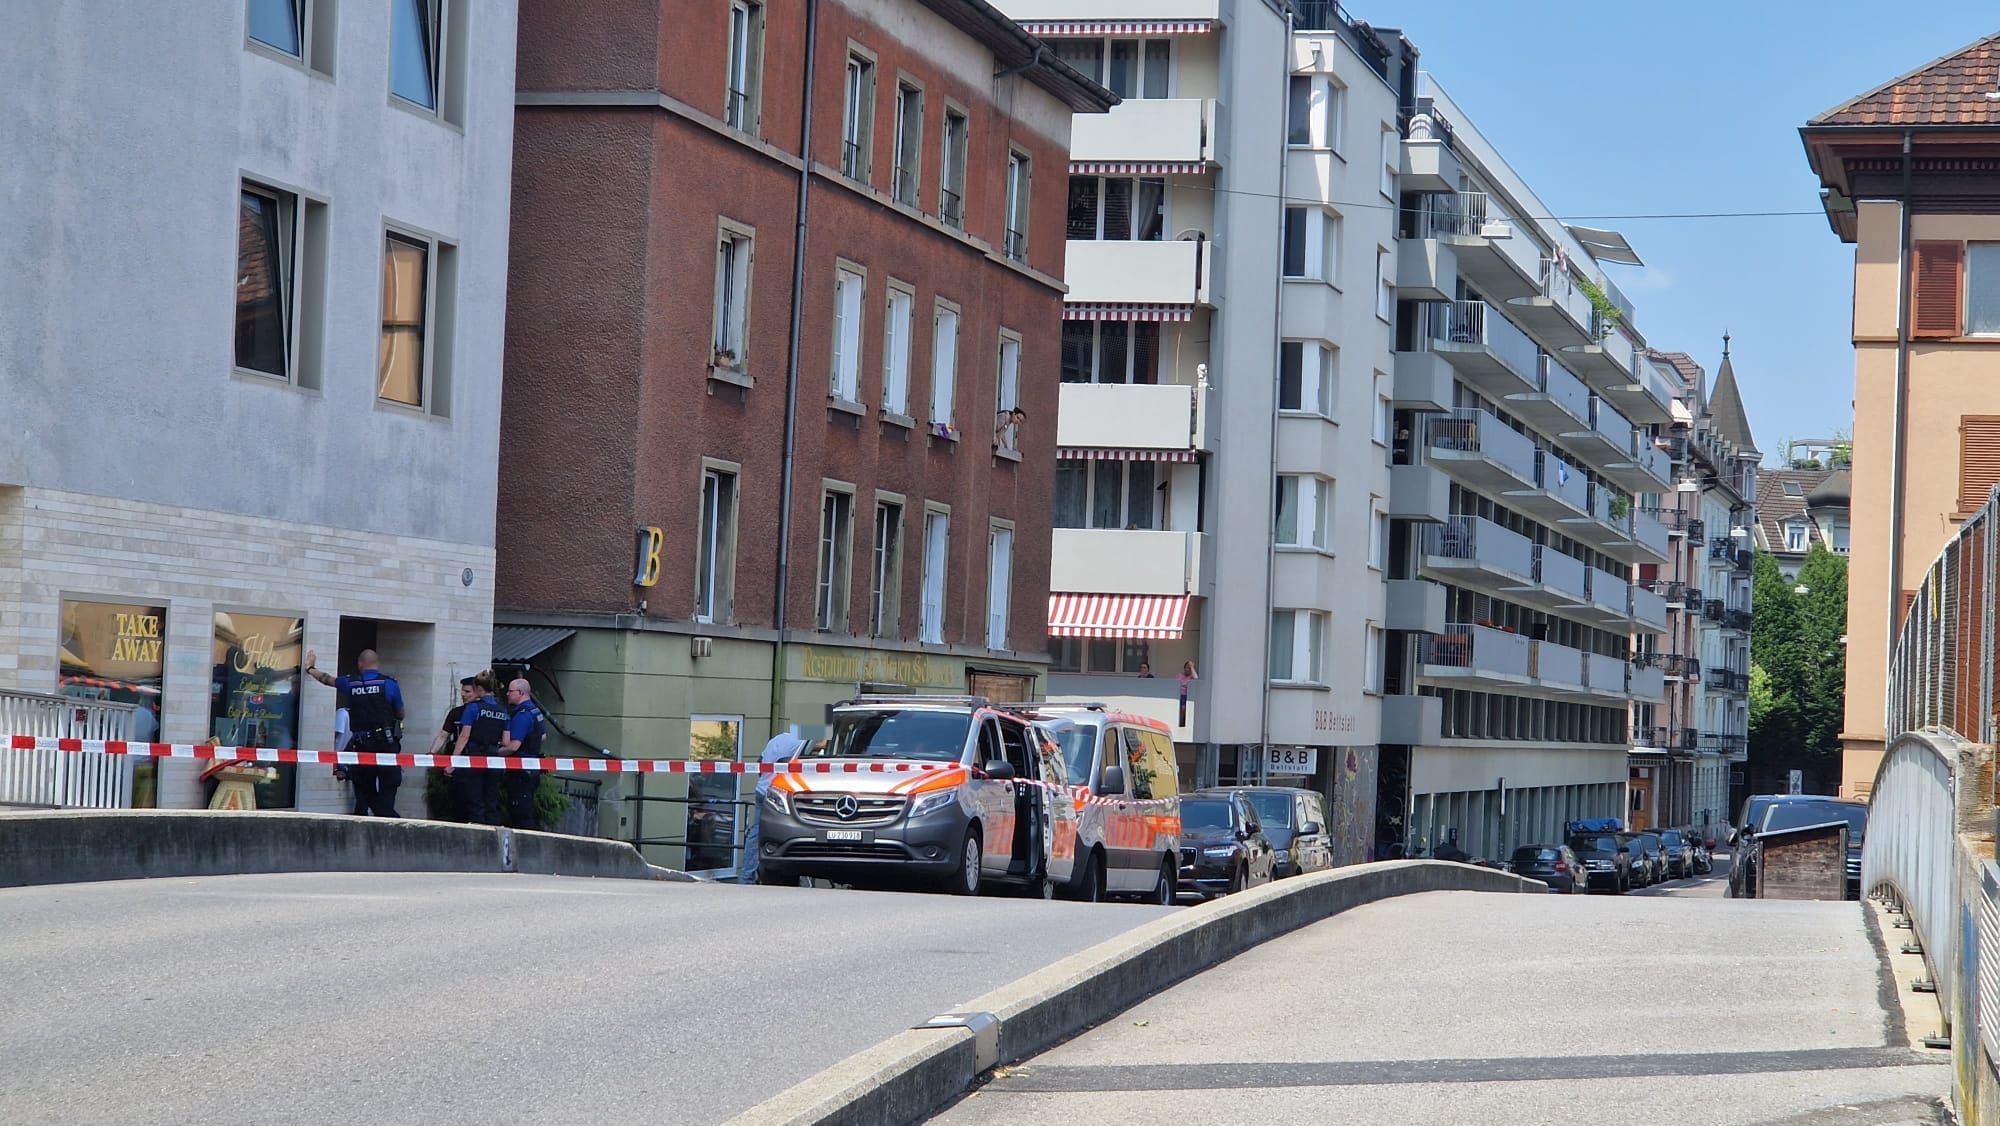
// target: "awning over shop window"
[[1048, 29], [1098, 454], [513, 645], [1137, 167], [1159, 617], [1108, 311]]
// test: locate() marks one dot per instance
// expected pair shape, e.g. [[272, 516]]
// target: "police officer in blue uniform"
[[482, 728], [375, 713], [524, 740]]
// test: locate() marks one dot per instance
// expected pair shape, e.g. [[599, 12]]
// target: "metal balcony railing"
[[1471, 430], [1721, 548], [1477, 323], [1441, 215], [951, 208], [1737, 620], [1712, 609], [1674, 592], [851, 163]]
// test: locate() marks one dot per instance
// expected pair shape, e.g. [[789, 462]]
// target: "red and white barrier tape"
[[476, 762]]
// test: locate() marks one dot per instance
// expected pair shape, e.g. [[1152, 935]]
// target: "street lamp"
[[1802, 589]]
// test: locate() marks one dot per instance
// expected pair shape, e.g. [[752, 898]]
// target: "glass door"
[[714, 801]]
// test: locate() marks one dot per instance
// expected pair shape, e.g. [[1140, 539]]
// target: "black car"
[[1680, 854], [1645, 864], [1755, 805], [1294, 821], [1553, 864], [1794, 813], [1607, 863], [1222, 845]]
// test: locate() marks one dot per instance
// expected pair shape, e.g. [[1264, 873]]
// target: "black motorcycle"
[[1704, 863]]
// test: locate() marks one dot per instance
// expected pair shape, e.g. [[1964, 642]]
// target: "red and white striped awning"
[[1112, 311], [1049, 29], [1137, 167], [1098, 454], [1156, 616]]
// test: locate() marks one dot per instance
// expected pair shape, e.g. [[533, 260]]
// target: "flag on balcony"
[[1159, 617]]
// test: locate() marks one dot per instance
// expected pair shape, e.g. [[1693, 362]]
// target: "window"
[[276, 24], [1391, 157], [1312, 112], [1306, 376], [1937, 289], [746, 64], [937, 537], [886, 574], [1982, 289], [413, 51], [1312, 244], [280, 266], [1795, 535], [1839, 538], [1085, 55], [732, 300], [836, 531], [1303, 511], [1007, 428], [1117, 208], [858, 124], [1978, 460], [406, 274], [847, 290], [1385, 289], [1110, 352], [896, 350], [1378, 536], [1385, 411], [1295, 646], [999, 583], [715, 550], [1371, 662], [909, 143], [951, 169], [1017, 206], [944, 363], [1794, 489], [1139, 68], [1107, 493]]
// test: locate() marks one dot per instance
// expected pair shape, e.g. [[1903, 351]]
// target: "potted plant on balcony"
[[1619, 507], [1608, 312]]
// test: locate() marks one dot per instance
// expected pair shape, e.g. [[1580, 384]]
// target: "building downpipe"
[[1278, 354], [1900, 435]]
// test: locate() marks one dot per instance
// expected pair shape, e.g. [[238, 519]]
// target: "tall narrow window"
[[413, 51], [858, 123], [1982, 288], [1072, 505], [715, 550], [909, 142], [1117, 208], [1159, 56], [1006, 435], [264, 245], [886, 572], [1378, 537], [1385, 288], [951, 169], [746, 62], [732, 301], [847, 290], [1305, 377], [1296, 640], [405, 310], [937, 541], [896, 351], [999, 584], [944, 364], [1017, 206], [276, 24], [1299, 110], [1392, 147], [1301, 516], [836, 532], [1295, 242]]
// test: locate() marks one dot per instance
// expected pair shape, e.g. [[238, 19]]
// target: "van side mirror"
[[1112, 781], [1312, 829], [1000, 770]]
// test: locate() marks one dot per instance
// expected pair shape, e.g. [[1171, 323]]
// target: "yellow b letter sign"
[[647, 571]]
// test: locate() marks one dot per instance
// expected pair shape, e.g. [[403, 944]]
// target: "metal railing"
[[736, 111], [62, 779], [951, 207], [1475, 647], [1441, 215], [1476, 538], [1477, 323], [1017, 247], [1471, 430], [1910, 851], [1559, 384], [851, 163]]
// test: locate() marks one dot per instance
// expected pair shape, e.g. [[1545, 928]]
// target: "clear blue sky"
[[1611, 109]]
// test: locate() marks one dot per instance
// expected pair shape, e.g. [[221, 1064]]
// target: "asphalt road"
[[472, 998], [1457, 1007]]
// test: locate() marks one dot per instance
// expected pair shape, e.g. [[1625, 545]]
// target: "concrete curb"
[[90, 845], [914, 1073]]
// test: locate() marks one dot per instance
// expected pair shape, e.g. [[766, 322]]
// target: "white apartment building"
[[250, 338], [1525, 460]]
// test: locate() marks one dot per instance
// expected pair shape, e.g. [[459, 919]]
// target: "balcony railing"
[[1477, 323], [1712, 609], [1471, 430], [1737, 620], [1557, 476], [1721, 549], [1017, 244], [1561, 572], [1557, 383], [851, 163], [1462, 214], [1676, 593], [951, 207], [1673, 664], [1607, 589], [1606, 420], [1476, 538], [1479, 648], [1674, 520]]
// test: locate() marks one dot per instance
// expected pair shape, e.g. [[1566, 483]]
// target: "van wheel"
[[965, 881], [1163, 895], [1092, 888]]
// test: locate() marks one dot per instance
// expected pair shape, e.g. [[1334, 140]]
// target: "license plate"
[[856, 835]]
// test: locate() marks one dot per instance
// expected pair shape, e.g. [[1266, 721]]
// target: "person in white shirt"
[[783, 747]]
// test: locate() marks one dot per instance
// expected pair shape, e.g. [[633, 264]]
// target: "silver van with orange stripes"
[[1126, 786]]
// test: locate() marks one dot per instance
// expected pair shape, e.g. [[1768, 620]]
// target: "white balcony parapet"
[[1555, 475], [1476, 539], [1648, 685], [1479, 649], [1564, 388], [1469, 431], [1477, 324], [1649, 533], [1561, 572], [1606, 673], [1126, 561], [1143, 416], [1147, 131], [1609, 591], [1648, 608], [1558, 665], [1138, 273]]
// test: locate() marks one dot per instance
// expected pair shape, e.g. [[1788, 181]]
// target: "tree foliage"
[[1798, 672]]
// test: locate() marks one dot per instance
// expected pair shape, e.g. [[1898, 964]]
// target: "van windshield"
[[895, 733], [1079, 752], [1204, 814], [1798, 815]]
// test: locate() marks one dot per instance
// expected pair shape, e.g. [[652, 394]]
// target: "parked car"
[[1607, 863], [980, 805], [1223, 848], [1645, 863], [1680, 854], [1294, 821], [1656, 847], [1554, 865], [1821, 810], [1755, 805], [1128, 807]]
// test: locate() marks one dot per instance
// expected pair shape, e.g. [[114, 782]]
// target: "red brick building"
[[659, 323]]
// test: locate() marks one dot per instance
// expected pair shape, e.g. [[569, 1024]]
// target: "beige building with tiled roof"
[[1800, 508], [1910, 175]]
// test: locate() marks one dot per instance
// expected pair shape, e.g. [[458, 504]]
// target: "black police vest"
[[531, 743], [489, 726], [368, 706]]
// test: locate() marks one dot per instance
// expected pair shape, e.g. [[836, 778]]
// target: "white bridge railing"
[[59, 779], [1911, 850]]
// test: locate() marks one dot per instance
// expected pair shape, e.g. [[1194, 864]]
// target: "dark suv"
[[1607, 863], [1797, 814], [1552, 864], [1680, 854], [1222, 846]]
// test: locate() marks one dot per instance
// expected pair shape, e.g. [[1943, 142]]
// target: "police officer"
[[524, 740], [458, 783], [375, 713], [482, 728]]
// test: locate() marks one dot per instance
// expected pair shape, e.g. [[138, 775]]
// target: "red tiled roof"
[[1947, 91]]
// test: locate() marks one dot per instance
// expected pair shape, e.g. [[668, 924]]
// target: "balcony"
[[1677, 521], [1598, 526], [1610, 595], [1559, 403], [1428, 165], [1412, 720], [1607, 361], [1649, 610], [1560, 667], [1673, 595], [1479, 653], [1728, 680], [1178, 131], [1561, 491], [1674, 666], [1423, 382], [1480, 344], [1426, 270], [1647, 685], [1124, 561], [1557, 314], [1711, 609], [1736, 621], [1646, 542], [1643, 467], [1606, 436], [1606, 675], [1414, 605], [1138, 273], [1475, 550], [1491, 256], [1419, 492], [1132, 416], [1564, 580], [1646, 396], [1156, 698], [1480, 451]]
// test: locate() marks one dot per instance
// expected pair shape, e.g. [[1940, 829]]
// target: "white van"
[[1125, 782]]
